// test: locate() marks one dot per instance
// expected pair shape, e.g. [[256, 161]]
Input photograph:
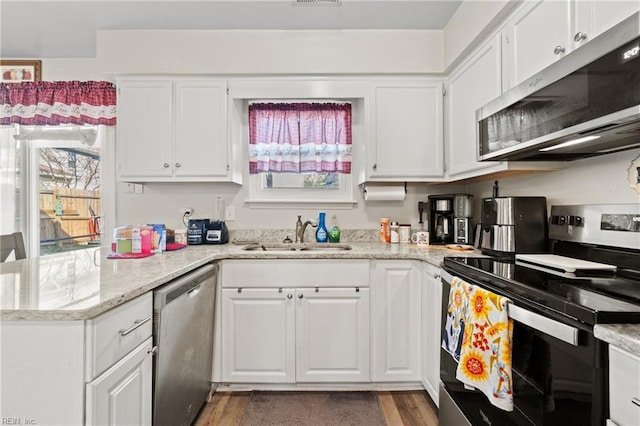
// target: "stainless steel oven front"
[[559, 372]]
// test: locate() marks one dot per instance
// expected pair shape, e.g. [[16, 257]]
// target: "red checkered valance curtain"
[[61, 102], [300, 137]]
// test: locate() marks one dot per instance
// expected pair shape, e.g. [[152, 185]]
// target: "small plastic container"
[[385, 235]]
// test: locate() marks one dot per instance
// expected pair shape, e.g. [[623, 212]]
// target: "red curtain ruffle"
[[60, 102]]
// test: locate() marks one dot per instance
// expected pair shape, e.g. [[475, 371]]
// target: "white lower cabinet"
[[94, 372], [122, 395], [332, 335], [258, 336], [624, 387], [396, 332], [272, 335], [431, 329], [280, 322]]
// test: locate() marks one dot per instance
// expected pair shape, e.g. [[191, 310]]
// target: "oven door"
[[559, 373]]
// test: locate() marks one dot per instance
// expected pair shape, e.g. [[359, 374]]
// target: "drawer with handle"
[[117, 332]]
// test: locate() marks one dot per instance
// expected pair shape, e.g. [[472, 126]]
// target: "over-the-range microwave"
[[584, 104]]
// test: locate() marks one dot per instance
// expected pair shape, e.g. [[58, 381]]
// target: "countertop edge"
[[624, 336], [24, 315]]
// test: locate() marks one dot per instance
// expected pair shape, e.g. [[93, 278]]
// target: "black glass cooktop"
[[604, 298]]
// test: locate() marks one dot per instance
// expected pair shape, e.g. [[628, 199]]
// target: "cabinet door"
[[431, 326], [464, 96], [122, 395], [407, 132], [397, 322], [332, 335], [624, 387], [593, 17], [201, 131], [258, 336], [145, 129], [538, 35]]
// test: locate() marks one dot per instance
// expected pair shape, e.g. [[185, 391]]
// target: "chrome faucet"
[[301, 227]]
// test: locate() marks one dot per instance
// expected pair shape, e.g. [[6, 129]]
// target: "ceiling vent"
[[317, 2]]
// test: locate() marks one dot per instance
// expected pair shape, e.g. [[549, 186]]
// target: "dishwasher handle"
[[188, 283]]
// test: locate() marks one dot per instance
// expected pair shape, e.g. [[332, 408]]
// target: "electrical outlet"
[[186, 211], [230, 213]]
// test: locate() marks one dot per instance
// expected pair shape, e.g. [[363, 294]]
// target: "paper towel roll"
[[384, 193]]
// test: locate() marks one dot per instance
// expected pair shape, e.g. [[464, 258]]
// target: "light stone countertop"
[[82, 284], [624, 336]]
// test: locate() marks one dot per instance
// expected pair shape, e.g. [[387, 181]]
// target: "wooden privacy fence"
[[73, 223]]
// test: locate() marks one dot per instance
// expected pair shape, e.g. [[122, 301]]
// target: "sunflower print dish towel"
[[455, 321], [485, 352]]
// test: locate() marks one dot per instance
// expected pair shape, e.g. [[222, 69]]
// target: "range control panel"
[[615, 225]]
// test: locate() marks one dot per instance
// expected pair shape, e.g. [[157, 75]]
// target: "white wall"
[[473, 21], [597, 180], [271, 52]]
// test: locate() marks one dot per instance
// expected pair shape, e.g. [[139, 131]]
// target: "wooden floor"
[[399, 408]]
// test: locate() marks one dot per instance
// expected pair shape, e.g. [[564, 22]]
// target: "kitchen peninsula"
[[57, 312], [65, 316]]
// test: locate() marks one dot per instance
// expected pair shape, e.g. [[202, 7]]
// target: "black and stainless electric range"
[[560, 370]]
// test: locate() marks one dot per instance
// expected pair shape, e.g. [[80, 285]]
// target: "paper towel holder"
[[364, 187]]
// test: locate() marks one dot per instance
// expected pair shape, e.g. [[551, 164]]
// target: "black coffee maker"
[[441, 215]]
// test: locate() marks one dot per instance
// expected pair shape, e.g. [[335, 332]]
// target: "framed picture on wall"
[[18, 70]]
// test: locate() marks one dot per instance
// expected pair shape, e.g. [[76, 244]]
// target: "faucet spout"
[[301, 228]]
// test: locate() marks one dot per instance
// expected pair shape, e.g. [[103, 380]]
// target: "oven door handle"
[[445, 276], [554, 328]]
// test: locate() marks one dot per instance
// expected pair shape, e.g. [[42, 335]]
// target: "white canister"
[[395, 234], [404, 234]]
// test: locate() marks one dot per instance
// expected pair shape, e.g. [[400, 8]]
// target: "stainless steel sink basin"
[[288, 247]]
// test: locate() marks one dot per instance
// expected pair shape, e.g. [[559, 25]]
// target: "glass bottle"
[[321, 232], [334, 230]]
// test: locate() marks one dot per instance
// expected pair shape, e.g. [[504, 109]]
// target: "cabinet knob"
[[375, 167], [436, 276], [289, 296], [153, 351], [559, 50], [177, 165], [579, 36], [166, 165], [300, 296]]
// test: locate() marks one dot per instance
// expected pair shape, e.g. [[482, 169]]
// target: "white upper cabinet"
[[542, 31], [145, 129], [593, 17], [471, 86], [173, 130], [201, 148], [538, 34], [405, 138]]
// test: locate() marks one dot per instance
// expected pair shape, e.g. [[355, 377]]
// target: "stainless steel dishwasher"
[[183, 332]]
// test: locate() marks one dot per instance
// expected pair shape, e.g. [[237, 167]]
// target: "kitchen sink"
[[287, 247]]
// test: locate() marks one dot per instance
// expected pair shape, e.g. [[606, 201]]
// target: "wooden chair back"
[[12, 243]]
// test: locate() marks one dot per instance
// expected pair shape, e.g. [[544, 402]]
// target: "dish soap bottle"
[[334, 230], [321, 232]]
